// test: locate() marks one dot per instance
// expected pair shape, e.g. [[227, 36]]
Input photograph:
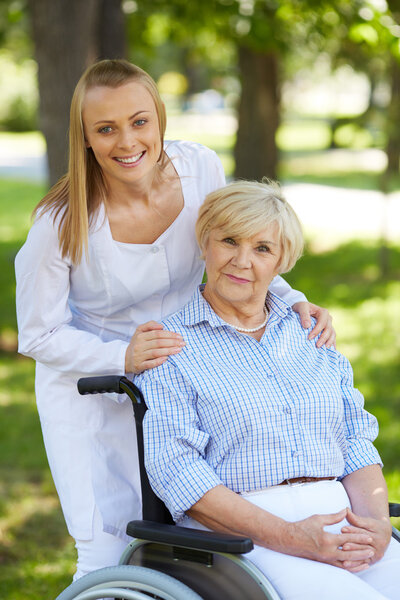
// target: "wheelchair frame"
[[170, 562]]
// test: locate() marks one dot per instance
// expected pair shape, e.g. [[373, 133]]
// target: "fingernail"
[[182, 344]]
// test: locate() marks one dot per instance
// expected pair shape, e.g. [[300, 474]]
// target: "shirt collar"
[[198, 310]]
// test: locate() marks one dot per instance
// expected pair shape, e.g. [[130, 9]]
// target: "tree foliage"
[[211, 40]]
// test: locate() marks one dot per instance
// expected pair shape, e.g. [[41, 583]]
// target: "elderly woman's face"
[[241, 269]]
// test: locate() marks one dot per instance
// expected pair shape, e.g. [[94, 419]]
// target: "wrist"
[[280, 536]]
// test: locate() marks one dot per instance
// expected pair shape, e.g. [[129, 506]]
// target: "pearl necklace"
[[244, 330]]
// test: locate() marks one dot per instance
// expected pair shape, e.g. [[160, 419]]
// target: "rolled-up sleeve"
[[361, 427], [173, 440]]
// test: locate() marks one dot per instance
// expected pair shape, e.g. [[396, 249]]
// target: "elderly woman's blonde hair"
[[243, 208]]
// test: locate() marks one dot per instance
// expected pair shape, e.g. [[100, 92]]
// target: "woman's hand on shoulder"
[[150, 346], [323, 324]]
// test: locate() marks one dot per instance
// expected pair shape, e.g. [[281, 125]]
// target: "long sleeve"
[[44, 316], [282, 289], [174, 443]]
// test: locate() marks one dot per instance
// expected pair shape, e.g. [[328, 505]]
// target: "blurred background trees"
[[249, 51]]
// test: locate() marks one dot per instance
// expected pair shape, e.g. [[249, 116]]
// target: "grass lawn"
[[36, 554]]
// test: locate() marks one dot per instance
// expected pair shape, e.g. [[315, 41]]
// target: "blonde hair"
[[76, 197], [243, 208]]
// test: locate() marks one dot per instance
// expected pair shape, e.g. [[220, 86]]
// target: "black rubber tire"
[[130, 578]]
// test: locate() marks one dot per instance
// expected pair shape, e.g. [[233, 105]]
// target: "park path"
[[331, 215]]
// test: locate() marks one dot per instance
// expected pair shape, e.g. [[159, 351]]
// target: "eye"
[[263, 248], [105, 129], [140, 122], [229, 241]]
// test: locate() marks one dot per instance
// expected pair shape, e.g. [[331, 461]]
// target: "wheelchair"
[[166, 562]]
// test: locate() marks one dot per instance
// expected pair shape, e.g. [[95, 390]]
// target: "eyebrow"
[[111, 121]]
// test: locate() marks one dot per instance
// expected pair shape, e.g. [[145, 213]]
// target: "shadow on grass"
[[8, 251], [21, 433], [37, 561]]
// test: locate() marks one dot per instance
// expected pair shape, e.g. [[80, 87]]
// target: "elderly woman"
[[252, 428]]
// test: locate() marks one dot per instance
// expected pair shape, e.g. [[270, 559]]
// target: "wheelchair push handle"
[[118, 384]]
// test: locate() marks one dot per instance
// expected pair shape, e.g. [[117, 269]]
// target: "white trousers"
[[301, 579], [103, 550]]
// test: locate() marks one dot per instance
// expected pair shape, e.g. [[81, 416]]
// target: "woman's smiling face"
[[239, 270], [122, 128]]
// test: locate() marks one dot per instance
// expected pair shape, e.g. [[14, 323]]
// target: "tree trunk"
[[255, 150], [69, 35], [392, 122], [111, 39], [63, 36]]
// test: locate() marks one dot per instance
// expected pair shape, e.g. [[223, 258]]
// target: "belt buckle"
[[295, 483]]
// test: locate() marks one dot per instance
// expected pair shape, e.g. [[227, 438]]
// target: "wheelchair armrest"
[[394, 509], [185, 537]]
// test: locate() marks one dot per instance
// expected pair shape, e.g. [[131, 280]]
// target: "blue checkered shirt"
[[230, 410]]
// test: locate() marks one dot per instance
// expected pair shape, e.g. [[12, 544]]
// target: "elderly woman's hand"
[[310, 540], [380, 531], [324, 322], [150, 346]]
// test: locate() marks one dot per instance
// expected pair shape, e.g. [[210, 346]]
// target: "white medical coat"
[[77, 321]]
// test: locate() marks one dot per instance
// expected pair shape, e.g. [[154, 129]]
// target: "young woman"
[[111, 253]]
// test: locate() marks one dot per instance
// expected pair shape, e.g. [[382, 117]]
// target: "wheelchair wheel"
[[126, 582]]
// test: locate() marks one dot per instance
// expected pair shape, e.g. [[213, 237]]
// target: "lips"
[[237, 279], [129, 160]]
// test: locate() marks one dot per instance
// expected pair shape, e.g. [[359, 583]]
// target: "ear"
[[87, 144]]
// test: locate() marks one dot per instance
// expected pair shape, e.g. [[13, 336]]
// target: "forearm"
[[222, 510], [367, 491]]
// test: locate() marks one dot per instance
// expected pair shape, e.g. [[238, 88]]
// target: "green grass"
[[36, 553]]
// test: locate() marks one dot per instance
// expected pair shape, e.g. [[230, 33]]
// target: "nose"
[[126, 138], [242, 257]]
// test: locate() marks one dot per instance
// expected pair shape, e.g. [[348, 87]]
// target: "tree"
[[263, 34], [68, 36], [255, 150]]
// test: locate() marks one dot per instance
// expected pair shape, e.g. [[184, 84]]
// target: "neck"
[[243, 315]]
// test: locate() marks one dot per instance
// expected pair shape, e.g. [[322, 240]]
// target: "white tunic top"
[[77, 321]]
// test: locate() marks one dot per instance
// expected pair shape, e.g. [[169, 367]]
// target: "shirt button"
[[295, 454], [154, 249], [287, 410]]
